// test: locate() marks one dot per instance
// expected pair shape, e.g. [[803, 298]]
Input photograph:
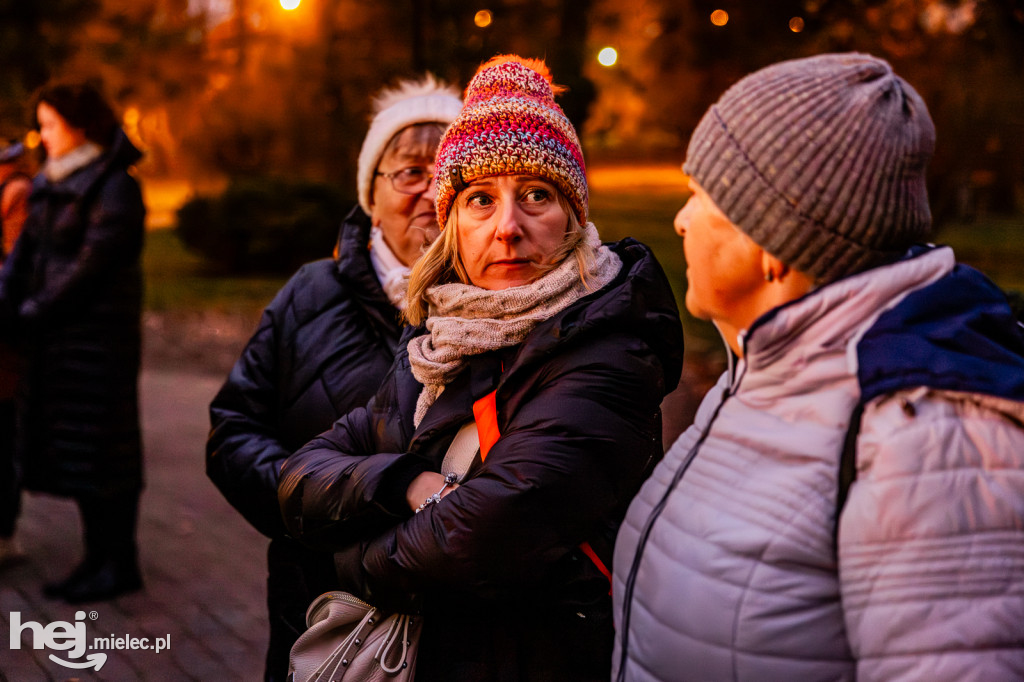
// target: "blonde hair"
[[442, 262]]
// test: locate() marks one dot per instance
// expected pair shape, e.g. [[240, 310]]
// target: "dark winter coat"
[[73, 285], [322, 347], [496, 566]]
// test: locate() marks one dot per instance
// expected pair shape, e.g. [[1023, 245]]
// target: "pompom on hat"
[[428, 100], [511, 125], [821, 161]]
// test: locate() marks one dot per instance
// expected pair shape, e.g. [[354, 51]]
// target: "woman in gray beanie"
[[849, 503]]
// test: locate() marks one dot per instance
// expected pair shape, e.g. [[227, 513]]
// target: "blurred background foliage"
[[242, 94], [264, 225], [244, 87]]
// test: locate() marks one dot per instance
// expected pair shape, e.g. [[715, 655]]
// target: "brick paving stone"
[[120, 666], [199, 663], [18, 667], [204, 568]]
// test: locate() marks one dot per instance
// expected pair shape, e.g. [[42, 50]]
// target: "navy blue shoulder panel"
[[956, 334]]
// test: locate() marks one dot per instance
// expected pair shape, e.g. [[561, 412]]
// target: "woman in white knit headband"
[[326, 341], [483, 486]]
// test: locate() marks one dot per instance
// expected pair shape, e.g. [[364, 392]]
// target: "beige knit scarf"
[[466, 320]]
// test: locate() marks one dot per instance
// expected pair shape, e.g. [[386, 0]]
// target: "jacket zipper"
[[645, 533]]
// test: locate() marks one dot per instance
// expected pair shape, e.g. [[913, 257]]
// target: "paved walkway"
[[204, 567]]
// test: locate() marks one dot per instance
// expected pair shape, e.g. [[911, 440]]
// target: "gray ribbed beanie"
[[821, 161]]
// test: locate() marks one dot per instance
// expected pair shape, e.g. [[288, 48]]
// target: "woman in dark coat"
[[326, 341], [72, 289], [553, 353]]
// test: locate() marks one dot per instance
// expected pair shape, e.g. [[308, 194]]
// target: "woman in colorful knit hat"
[[867, 368], [483, 486]]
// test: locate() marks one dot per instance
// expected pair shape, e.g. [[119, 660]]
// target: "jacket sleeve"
[[570, 458], [337, 491], [931, 540], [14, 210], [349, 482], [13, 277], [244, 452], [113, 237]]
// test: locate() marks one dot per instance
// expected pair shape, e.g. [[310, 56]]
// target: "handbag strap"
[[339, 657], [461, 452], [475, 436], [397, 633]]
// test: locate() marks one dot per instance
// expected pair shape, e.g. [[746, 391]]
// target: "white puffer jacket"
[[726, 568]]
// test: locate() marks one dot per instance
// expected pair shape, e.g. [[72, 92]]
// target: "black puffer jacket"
[[321, 349], [496, 567], [74, 287]]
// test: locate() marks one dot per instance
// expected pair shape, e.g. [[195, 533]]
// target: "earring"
[[769, 276]]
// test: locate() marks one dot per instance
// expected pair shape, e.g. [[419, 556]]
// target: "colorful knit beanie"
[[409, 103], [821, 161], [511, 125]]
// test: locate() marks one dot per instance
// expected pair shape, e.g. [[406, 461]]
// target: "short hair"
[[82, 106]]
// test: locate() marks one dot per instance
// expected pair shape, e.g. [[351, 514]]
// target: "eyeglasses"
[[409, 180]]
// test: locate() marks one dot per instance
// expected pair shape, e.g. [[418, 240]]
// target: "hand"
[[29, 311], [30, 319], [425, 485]]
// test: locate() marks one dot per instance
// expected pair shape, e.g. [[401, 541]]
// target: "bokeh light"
[[32, 139], [796, 24], [607, 56], [131, 117], [719, 17], [483, 18], [290, 4]]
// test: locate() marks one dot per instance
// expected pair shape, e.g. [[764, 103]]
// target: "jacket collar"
[[839, 312], [922, 321], [120, 154], [352, 260], [957, 333]]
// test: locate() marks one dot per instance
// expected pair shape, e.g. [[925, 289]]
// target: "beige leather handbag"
[[348, 639]]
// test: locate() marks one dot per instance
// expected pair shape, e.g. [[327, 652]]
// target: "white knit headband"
[[437, 107]]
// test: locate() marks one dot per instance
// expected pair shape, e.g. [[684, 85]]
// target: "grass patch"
[[994, 245], [646, 214], [177, 280]]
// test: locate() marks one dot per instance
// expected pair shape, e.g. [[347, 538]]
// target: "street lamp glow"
[[483, 18], [290, 4], [607, 56]]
